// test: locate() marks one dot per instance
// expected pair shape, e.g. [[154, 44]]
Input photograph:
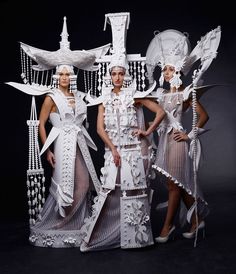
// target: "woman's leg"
[[174, 196], [189, 201]]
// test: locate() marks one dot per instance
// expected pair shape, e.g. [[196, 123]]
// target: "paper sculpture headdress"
[[47, 60], [119, 23], [172, 47], [38, 66], [134, 64]]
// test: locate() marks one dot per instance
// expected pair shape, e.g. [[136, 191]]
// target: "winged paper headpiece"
[[172, 47], [49, 60]]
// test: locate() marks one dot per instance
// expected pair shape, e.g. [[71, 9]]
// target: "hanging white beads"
[[35, 173]]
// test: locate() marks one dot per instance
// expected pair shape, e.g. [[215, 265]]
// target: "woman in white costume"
[[170, 50], [173, 160], [121, 213], [56, 222], [68, 203]]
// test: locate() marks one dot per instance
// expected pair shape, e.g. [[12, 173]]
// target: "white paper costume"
[[121, 212], [57, 222], [179, 161]]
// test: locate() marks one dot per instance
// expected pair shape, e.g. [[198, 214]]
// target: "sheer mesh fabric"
[[75, 214], [106, 233]]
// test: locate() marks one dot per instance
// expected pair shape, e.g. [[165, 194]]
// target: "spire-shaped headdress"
[[38, 66], [47, 60]]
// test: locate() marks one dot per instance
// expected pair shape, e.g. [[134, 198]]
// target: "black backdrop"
[[39, 24]]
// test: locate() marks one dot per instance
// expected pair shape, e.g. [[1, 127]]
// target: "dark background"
[[39, 24]]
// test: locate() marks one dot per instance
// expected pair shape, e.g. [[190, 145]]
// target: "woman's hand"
[[116, 157], [51, 158], [139, 133], [180, 136]]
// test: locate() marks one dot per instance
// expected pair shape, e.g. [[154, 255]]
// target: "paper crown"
[[170, 47]]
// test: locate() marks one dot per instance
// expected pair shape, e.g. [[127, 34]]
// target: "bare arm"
[[202, 120], [202, 115], [104, 136], [47, 107], [154, 107]]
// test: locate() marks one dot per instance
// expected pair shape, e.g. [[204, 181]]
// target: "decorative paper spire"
[[47, 60], [64, 44]]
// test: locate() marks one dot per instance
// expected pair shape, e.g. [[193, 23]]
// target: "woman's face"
[[64, 78], [117, 76], [168, 72]]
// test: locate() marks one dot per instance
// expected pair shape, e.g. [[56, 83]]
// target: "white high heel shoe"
[[190, 235], [166, 238]]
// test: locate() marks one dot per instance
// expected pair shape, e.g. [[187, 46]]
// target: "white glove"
[[199, 131]]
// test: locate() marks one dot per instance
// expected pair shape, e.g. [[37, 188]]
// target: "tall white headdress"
[[134, 64], [172, 47], [119, 24], [118, 57], [49, 60]]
